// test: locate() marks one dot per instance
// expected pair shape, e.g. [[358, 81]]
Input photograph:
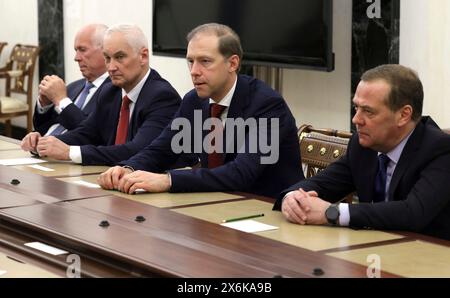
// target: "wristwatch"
[[128, 167], [332, 214]]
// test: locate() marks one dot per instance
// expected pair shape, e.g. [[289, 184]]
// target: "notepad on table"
[[249, 226], [41, 168], [87, 184], [21, 161], [46, 248]]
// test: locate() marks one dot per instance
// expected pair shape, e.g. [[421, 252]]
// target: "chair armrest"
[[14, 73]]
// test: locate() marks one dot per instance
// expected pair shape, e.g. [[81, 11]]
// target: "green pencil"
[[242, 218]]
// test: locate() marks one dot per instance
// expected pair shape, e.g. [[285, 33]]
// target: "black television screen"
[[282, 33]]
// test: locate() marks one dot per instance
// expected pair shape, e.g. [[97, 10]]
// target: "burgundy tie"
[[122, 126], [215, 159]]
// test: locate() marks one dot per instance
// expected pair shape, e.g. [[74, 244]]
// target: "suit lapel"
[[140, 102], [368, 170], [133, 121], [407, 155], [115, 112], [78, 91], [236, 110], [205, 115], [93, 101]]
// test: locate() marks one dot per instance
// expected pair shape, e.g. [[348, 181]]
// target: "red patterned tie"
[[215, 159], [122, 126]]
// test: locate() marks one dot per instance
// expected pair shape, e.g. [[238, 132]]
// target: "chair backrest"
[[2, 45], [20, 67], [321, 147]]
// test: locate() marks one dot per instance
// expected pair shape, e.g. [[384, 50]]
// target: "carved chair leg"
[[8, 131]]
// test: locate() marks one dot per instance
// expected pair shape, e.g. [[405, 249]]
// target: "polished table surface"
[[163, 200], [313, 238], [181, 235], [168, 244], [19, 269]]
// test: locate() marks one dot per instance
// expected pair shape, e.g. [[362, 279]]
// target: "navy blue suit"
[[419, 192], [241, 171], [71, 116], [156, 104]]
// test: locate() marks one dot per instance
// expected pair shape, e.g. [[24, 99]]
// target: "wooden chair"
[[321, 147], [18, 72], [2, 45]]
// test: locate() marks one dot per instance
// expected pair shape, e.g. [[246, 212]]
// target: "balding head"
[[88, 51]]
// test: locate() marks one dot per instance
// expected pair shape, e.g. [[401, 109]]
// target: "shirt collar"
[[134, 93], [226, 101], [99, 81], [394, 154]]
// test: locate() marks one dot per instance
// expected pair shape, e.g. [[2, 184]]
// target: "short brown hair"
[[406, 87], [229, 41]]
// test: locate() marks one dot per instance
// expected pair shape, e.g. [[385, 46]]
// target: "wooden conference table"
[[109, 234]]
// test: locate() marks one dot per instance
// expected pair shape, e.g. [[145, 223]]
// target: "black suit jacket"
[[241, 171], [156, 104], [419, 192], [71, 116]]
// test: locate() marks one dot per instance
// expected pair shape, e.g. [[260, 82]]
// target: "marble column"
[[51, 38], [375, 37]]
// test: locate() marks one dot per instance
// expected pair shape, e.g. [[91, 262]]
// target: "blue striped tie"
[[79, 103]]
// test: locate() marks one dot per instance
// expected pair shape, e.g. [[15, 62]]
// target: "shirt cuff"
[[344, 215], [75, 154], [170, 180], [62, 105], [41, 109], [128, 167]]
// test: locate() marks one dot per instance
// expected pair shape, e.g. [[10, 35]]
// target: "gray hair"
[[98, 34], [133, 34]]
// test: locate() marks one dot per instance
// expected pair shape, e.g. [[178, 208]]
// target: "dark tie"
[[215, 159], [122, 126], [79, 103], [380, 179]]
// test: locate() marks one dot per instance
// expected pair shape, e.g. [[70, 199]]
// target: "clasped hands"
[[52, 89], [45, 146], [127, 181], [304, 208]]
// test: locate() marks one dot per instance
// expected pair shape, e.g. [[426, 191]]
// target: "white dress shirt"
[[226, 101], [75, 151]]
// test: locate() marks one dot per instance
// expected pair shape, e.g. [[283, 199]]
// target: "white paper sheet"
[[2, 272], [41, 168], [46, 248], [249, 226], [87, 184], [21, 161], [93, 185]]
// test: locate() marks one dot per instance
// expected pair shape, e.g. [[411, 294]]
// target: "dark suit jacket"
[[419, 193], [71, 116], [156, 104], [241, 171]]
